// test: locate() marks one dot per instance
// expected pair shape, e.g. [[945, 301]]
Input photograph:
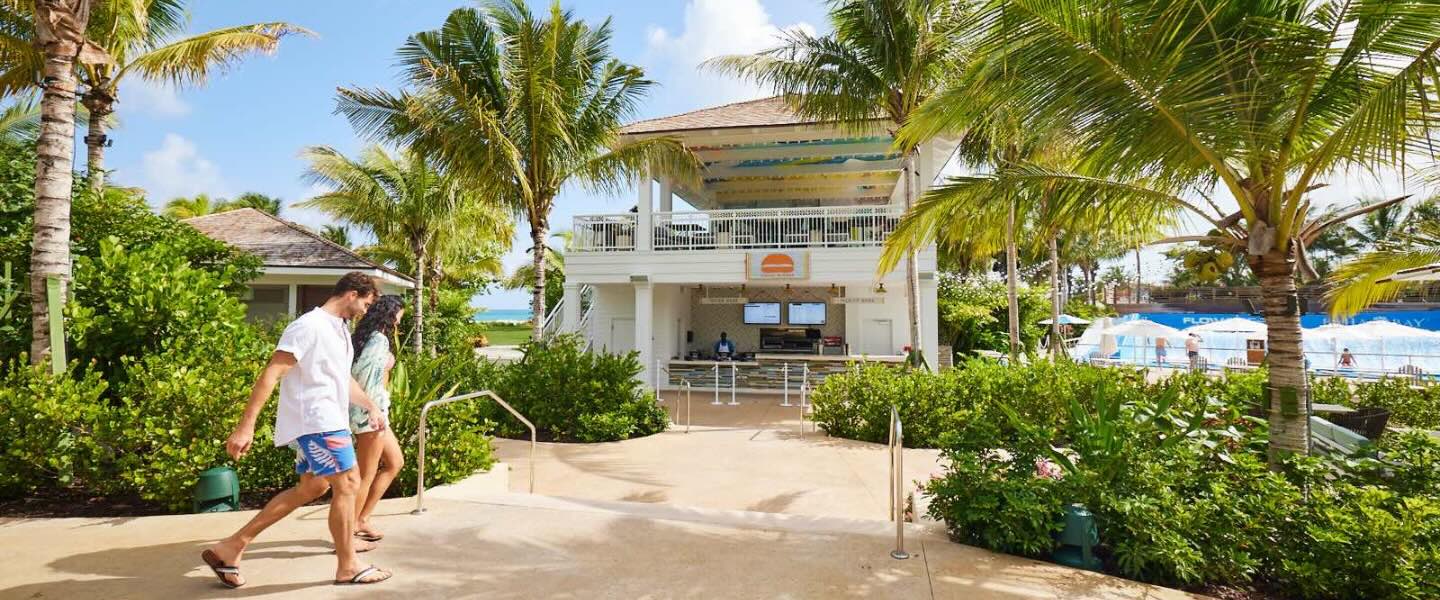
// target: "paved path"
[[749, 457], [520, 546]]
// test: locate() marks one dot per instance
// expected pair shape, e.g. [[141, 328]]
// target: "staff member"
[[724, 347]]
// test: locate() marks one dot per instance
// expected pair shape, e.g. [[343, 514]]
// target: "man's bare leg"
[[231, 549], [343, 487]]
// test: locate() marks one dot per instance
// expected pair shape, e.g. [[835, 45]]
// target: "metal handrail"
[[689, 411], [425, 413], [897, 484]]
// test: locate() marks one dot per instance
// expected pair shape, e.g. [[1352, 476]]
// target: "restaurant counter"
[[767, 371]]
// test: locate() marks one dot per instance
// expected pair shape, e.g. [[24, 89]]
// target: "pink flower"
[[1046, 469]]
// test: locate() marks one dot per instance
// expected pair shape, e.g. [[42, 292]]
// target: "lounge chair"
[[1369, 422]]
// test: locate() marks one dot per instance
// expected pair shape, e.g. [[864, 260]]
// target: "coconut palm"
[[20, 121], [58, 45], [881, 61], [142, 38], [400, 197], [554, 264], [255, 200], [337, 234], [467, 256], [198, 205], [520, 106], [1176, 102]]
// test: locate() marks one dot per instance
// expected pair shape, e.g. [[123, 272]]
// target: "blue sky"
[[245, 129]]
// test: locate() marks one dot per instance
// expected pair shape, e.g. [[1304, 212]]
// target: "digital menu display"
[[806, 313], [762, 313]]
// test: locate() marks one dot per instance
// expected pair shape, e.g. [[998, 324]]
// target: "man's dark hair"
[[363, 285]]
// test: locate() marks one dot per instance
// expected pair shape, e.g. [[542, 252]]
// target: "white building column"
[[930, 319], [645, 206], [570, 310], [645, 327], [293, 300], [667, 196]]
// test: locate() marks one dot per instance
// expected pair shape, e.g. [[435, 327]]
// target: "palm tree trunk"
[[54, 176], [419, 342], [538, 233], [912, 272], [1012, 257], [1289, 393], [1089, 275], [100, 108], [1057, 347]]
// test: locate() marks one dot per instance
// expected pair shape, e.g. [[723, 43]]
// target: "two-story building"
[[778, 251]]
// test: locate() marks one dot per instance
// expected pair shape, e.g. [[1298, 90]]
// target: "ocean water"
[[504, 314]]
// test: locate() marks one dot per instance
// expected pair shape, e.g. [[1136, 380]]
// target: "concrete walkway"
[[749, 457], [521, 546]]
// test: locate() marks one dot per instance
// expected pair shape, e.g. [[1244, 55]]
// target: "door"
[[878, 335], [622, 336]]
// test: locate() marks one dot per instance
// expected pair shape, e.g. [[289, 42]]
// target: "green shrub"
[[459, 444], [999, 502], [47, 428], [574, 395]]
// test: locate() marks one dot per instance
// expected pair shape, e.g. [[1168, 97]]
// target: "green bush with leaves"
[[48, 428], [458, 432], [574, 395]]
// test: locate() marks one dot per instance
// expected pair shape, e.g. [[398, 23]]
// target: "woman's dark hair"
[[381, 317]]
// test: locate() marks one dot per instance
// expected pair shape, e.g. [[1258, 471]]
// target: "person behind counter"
[[724, 347]]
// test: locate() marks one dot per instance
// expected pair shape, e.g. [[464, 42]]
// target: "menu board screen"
[[807, 313], [762, 313]]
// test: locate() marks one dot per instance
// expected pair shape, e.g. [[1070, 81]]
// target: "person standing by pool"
[[1192, 351], [1161, 344], [312, 365], [377, 451]]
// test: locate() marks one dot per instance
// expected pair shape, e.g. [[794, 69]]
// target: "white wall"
[[611, 302]]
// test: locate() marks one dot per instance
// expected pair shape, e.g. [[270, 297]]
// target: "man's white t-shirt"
[[315, 393]]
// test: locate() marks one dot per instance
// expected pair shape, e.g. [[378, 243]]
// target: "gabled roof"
[[280, 243], [765, 112]]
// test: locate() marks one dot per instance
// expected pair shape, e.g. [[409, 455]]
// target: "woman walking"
[[377, 452]]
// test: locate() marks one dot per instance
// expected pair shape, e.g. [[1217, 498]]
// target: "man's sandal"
[[359, 578], [221, 569]]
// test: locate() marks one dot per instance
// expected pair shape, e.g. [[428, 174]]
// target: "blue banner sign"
[[1422, 319]]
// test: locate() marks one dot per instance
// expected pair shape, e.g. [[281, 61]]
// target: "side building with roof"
[[300, 266]]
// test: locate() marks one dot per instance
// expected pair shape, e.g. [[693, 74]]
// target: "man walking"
[[312, 365], [1192, 351]]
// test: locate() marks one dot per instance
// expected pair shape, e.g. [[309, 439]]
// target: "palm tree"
[[255, 200], [20, 121], [139, 36], [882, 60], [1172, 100], [198, 205], [554, 264], [337, 234], [60, 46], [401, 197], [1366, 280], [467, 256], [519, 107]]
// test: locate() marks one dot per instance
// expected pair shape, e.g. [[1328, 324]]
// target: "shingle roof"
[[764, 112], [280, 243]]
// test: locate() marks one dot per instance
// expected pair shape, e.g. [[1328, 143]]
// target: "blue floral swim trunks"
[[324, 454]]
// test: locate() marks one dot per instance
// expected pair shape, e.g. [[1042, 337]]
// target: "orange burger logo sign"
[[777, 265]]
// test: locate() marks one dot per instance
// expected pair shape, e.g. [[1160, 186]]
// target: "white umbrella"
[[1385, 329], [1143, 328], [1230, 325], [1068, 320]]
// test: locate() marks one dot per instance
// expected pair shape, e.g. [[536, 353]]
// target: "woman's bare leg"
[[368, 449], [391, 460]]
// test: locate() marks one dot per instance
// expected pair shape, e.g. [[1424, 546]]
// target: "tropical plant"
[[1169, 100], [337, 234], [399, 197], [519, 106], [881, 61], [198, 205], [266, 204], [139, 37], [20, 121], [524, 275], [1206, 264], [1370, 277]]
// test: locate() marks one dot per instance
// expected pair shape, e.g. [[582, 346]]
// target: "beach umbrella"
[[1143, 328], [1386, 329], [1068, 320]]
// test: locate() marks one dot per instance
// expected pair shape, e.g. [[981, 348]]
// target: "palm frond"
[[192, 60]]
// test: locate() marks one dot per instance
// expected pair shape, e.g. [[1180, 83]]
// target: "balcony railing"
[[745, 229]]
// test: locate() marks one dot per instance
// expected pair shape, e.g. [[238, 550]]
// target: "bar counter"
[[767, 371]]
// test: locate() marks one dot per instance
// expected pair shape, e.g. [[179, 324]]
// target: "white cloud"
[[176, 168], [712, 28], [154, 99]]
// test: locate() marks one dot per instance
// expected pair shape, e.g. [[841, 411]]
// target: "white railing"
[[743, 229], [555, 321], [604, 233]]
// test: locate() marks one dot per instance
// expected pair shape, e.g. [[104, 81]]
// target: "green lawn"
[[501, 334]]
